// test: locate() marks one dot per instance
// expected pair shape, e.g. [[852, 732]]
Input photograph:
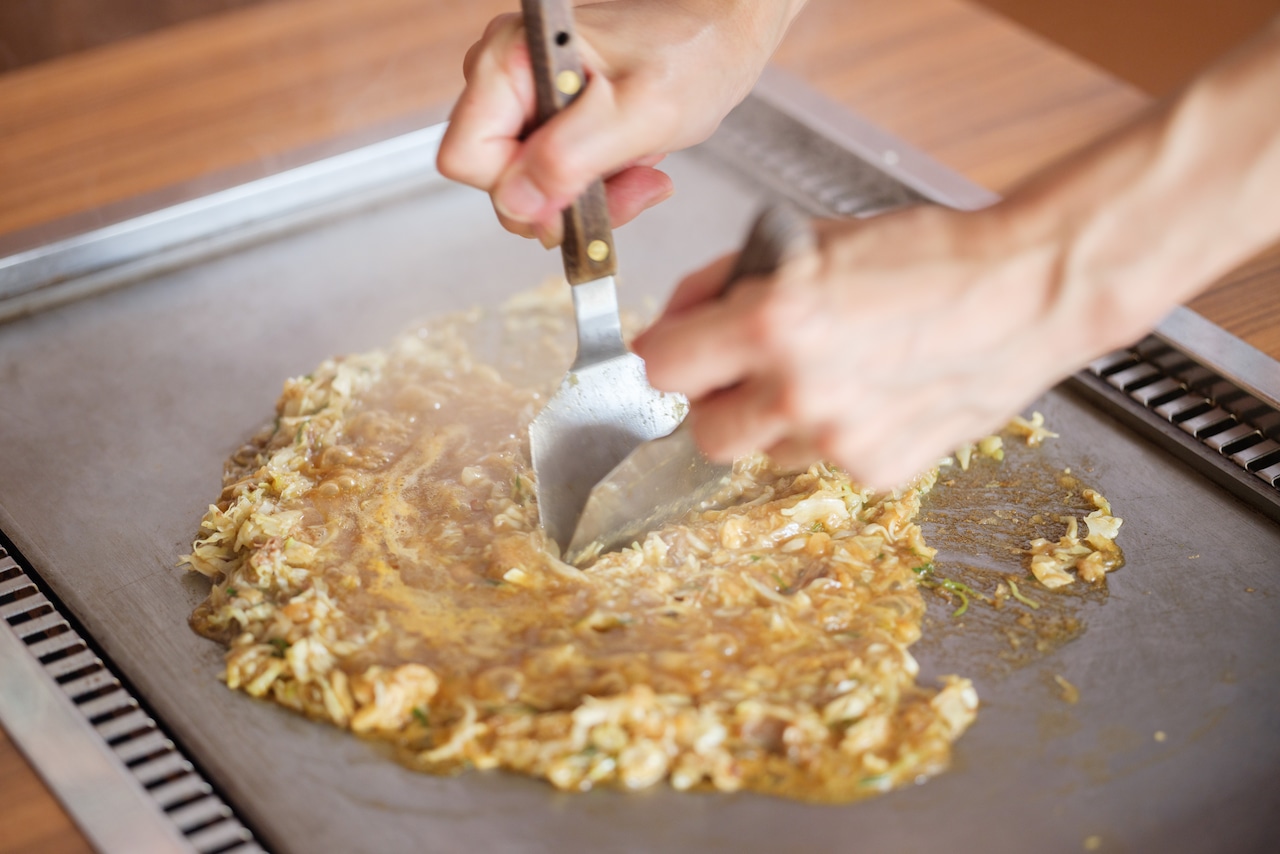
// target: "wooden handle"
[[780, 233], [558, 78]]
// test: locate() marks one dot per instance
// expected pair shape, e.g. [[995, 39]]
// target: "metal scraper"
[[663, 479], [605, 406]]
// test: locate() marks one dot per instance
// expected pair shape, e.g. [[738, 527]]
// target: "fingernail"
[[657, 200], [546, 236], [519, 199]]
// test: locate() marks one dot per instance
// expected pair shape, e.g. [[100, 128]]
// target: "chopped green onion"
[[960, 587], [420, 715], [231, 591], [280, 644], [1030, 603]]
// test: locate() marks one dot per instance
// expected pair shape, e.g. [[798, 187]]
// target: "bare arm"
[[911, 333]]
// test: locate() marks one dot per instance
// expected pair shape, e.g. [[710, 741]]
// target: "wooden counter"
[[235, 95]]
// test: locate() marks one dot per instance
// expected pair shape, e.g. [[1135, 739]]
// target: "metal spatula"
[[662, 480], [605, 406]]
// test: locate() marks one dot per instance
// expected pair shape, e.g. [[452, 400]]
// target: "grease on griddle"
[[981, 521]]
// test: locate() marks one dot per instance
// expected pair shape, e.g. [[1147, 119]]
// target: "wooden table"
[[248, 92]]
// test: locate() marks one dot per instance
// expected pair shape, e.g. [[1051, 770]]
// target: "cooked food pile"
[[377, 563]]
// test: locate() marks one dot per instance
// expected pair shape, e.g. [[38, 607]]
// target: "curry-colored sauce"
[[377, 563]]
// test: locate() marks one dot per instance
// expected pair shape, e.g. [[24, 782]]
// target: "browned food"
[[377, 564]]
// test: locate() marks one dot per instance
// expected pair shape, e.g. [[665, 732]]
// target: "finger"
[[634, 190], [701, 286], [483, 136], [794, 453], [738, 420], [705, 347], [629, 193], [650, 160], [521, 228], [510, 19], [593, 136]]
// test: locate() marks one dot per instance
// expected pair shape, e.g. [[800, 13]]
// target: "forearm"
[[1142, 221]]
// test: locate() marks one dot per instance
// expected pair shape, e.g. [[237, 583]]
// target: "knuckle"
[[775, 321], [552, 165], [791, 404], [447, 159], [496, 40], [501, 23], [804, 402], [454, 161]]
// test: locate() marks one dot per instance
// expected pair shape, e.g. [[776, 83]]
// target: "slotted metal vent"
[[1189, 408], [1202, 404], [187, 799], [780, 152]]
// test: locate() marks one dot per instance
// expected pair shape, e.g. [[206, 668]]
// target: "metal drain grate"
[[1189, 407], [133, 736], [780, 152]]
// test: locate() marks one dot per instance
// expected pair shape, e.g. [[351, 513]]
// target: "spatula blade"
[[603, 409], [659, 482]]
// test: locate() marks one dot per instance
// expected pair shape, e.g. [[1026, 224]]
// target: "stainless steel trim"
[[904, 163], [111, 809], [1223, 353], [119, 776], [106, 257], [1199, 408]]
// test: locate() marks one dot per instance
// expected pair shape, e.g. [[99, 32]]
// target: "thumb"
[[596, 135]]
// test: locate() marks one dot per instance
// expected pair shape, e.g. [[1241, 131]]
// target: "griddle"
[[137, 371]]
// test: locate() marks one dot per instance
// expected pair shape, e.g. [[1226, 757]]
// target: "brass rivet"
[[568, 82], [597, 250]]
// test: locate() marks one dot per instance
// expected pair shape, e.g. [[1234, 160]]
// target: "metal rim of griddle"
[[786, 137], [1204, 395], [77, 722]]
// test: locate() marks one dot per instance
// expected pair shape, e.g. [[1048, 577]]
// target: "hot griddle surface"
[[117, 412]]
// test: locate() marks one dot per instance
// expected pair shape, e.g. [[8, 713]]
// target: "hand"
[[661, 75], [899, 338], [905, 335]]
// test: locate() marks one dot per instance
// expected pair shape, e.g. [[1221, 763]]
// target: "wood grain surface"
[[31, 822], [251, 91]]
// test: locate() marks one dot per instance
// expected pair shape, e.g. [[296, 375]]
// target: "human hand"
[[905, 335], [661, 75], [900, 338]]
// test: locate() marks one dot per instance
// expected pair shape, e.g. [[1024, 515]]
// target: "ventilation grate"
[[150, 755], [782, 153], [1209, 420]]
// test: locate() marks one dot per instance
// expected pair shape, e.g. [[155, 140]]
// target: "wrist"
[[1102, 275]]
